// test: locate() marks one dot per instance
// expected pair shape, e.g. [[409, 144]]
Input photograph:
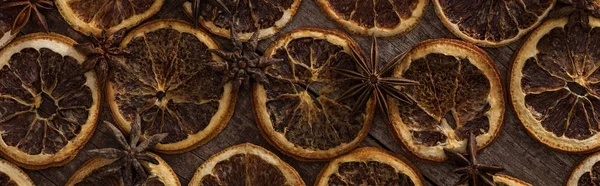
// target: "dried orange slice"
[[504, 180], [246, 164], [11, 175], [459, 93], [586, 172], [370, 166], [159, 175], [270, 15], [555, 83], [48, 111], [298, 111], [491, 23], [7, 17], [88, 16], [169, 84], [380, 18]]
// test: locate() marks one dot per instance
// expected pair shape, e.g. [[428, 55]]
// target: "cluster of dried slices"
[[386, 18], [11, 175], [48, 111], [88, 16], [555, 83], [269, 15], [459, 93], [299, 112], [159, 175], [168, 82], [370, 166], [245, 164], [492, 23]]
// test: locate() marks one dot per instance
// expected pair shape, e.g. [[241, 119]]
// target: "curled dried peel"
[[554, 83], [459, 93]]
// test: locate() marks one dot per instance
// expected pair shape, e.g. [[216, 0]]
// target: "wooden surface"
[[522, 157]]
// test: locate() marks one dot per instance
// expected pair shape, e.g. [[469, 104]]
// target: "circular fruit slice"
[[160, 174], [370, 166], [504, 180], [586, 172], [270, 15], [380, 18], [88, 16], [170, 85], [48, 111], [245, 164], [459, 94], [555, 83], [491, 23], [11, 175], [298, 111]]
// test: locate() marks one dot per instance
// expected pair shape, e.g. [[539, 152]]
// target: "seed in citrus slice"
[[11, 175], [370, 166], [491, 23], [48, 111], [88, 16], [245, 164], [298, 111], [555, 83], [271, 16], [160, 174], [459, 93], [380, 18], [169, 83]]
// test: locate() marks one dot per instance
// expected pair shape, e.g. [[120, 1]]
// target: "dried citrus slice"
[[298, 111], [7, 17], [271, 16], [555, 83], [245, 164], [491, 23], [47, 110], [504, 180], [160, 174], [88, 16], [586, 172], [169, 84], [370, 166], [369, 17], [11, 175], [459, 93]]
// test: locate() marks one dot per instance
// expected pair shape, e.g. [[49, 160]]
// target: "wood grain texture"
[[513, 149]]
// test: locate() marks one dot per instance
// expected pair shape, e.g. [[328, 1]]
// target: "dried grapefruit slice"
[[271, 16], [370, 166], [160, 174], [246, 164], [382, 18], [11, 175], [298, 112], [459, 93], [47, 110], [88, 16], [555, 83], [586, 172], [170, 85], [491, 23]]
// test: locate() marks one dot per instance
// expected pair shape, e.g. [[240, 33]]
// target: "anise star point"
[[103, 53], [472, 172], [24, 15]]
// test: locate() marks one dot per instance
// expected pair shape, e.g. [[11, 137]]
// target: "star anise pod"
[[27, 6], [471, 171], [129, 157], [103, 53], [196, 9], [374, 80], [242, 63]]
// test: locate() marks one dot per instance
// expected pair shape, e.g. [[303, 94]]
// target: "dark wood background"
[[522, 157]]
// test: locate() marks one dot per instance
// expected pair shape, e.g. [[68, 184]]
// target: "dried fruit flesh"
[[11, 175], [270, 15], [382, 18], [492, 23], [298, 111], [554, 83], [459, 93], [168, 82], [93, 16], [246, 164], [160, 174], [370, 166], [47, 110]]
